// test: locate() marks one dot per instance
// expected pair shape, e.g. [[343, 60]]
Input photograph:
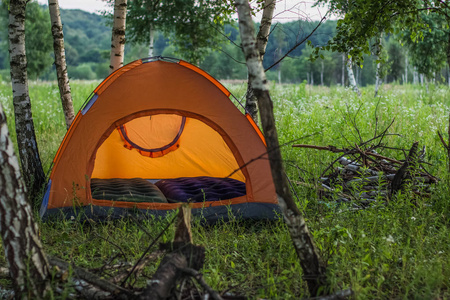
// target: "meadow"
[[394, 250]]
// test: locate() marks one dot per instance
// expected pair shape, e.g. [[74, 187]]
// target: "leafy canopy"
[[362, 20]]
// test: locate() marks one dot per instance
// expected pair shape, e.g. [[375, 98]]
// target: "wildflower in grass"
[[389, 239]]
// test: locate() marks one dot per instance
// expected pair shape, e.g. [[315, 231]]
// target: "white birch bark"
[[261, 43], [60, 62], [118, 35], [152, 38], [312, 265], [27, 262], [343, 69], [26, 139], [378, 80], [406, 69], [321, 74], [351, 76]]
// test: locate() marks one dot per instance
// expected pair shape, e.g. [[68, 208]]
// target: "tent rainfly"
[[157, 133]]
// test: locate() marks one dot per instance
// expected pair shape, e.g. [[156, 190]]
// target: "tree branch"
[[296, 45]]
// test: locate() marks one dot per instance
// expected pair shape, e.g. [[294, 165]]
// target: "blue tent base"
[[210, 215]]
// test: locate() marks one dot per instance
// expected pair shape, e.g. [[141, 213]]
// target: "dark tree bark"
[[312, 265], [60, 62], [28, 265], [118, 35], [26, 139], [261, 42]]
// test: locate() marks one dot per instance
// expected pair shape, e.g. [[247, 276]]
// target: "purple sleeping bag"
[[199, 189]]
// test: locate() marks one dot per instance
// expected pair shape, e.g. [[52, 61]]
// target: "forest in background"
[[88, 39]]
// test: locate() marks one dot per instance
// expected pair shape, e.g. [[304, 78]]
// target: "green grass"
[[395, 251]]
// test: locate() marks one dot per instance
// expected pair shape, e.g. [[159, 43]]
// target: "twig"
[[114, 244], [296, 45], [139, 267], [91, 278], [347, 151], [148, 249], [199, 277]]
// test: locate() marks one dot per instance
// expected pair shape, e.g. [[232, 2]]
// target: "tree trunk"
[[27, 262], [351, 77], [312, 78], [415, 76], [406, 69], [343, 69], [60, 62], [152, 37], [261, 42], [378, 80], [26, 139], [312, 265], [321, 74], [118, 35]]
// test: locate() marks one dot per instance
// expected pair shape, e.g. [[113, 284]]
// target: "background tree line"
[[407, 58]]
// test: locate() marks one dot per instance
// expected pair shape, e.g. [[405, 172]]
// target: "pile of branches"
[[363, 176]]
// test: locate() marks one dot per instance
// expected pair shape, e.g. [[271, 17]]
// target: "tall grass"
[[394, 251]]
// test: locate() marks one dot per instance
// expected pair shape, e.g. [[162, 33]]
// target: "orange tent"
[[154, 134]]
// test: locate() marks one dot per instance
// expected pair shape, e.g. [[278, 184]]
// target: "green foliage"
[[429, 52], [38, 40], [362, 20], [83, 71], [191, 26]]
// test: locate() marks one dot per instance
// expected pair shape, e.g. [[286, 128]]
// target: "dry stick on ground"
[[184, 255], [147, 250], [313, 267], [405, 170], [348, 151], [101, 284], [137, 269]]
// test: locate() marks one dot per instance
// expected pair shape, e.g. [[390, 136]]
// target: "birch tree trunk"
[[351, 77], [343, 70], [27, 262], [118, 35], [406, 68], [321, 74], [26, 139], [312, 265], [262, 38], [378, 80], [60, 62], [152, 38]]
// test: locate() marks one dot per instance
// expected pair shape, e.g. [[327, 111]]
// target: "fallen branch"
[[348, 151], [184, 255], [117, 291], [199, 277]]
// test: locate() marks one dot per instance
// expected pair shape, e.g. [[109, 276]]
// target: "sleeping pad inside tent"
[[153, 135]]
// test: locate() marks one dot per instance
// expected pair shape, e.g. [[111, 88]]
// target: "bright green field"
[[395, 251]]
